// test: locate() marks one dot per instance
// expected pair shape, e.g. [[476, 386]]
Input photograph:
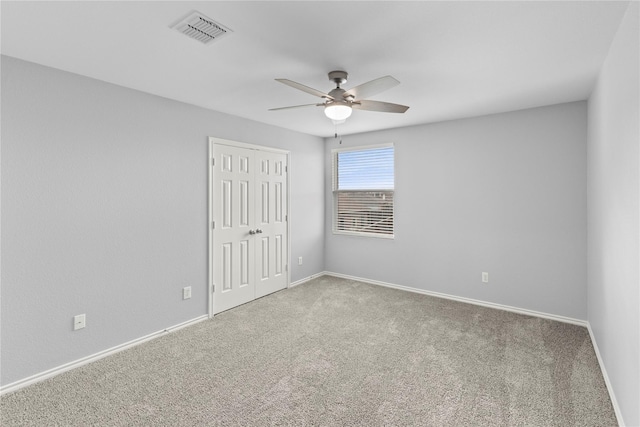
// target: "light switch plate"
[[79, 321]]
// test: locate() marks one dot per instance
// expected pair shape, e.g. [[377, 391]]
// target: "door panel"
[[272, 223], [233, 245], [250, 242]]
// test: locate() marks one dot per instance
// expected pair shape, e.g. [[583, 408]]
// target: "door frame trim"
[[213, 141]]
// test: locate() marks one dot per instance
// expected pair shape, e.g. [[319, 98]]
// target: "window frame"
[[335, 191]]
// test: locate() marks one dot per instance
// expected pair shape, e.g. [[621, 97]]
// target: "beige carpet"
[[334, 352]]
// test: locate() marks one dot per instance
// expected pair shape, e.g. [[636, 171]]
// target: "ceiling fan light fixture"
[[337, 111]]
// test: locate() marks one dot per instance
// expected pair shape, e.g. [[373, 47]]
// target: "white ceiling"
[[453, 59]]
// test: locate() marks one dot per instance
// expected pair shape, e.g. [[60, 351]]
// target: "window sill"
[[358, 234]]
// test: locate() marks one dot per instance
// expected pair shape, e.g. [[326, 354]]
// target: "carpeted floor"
[[334, 352]]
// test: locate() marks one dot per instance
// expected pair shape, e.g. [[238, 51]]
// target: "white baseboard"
[[9, 388], [466, 300], [306, 279], [612, 395]]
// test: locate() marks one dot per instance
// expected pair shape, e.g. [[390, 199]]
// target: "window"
[[363, 184]]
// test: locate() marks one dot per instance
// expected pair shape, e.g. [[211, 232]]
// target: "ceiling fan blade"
[[371, 88], [385, 107], [294, 106], [304, 88]]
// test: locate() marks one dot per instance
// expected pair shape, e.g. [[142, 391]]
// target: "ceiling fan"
[[338, 103]]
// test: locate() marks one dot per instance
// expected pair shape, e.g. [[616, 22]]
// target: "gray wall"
[[104, 212], [504, 194], [614, 215]]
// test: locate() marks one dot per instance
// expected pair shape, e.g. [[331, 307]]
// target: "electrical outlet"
[[485, 277], [186, 292], [79, 321], [299, 260]]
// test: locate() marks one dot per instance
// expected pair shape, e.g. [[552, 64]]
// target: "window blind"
[[363, 184]]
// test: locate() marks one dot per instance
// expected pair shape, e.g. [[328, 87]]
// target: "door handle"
[[252, 232], [258, 231]]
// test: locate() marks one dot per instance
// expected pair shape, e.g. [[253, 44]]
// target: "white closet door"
[[249, 209]]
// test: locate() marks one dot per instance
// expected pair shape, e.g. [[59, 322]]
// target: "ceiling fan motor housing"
[[339, 78], [337, 95]]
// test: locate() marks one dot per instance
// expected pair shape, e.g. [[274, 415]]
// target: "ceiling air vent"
[[199, 27]]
